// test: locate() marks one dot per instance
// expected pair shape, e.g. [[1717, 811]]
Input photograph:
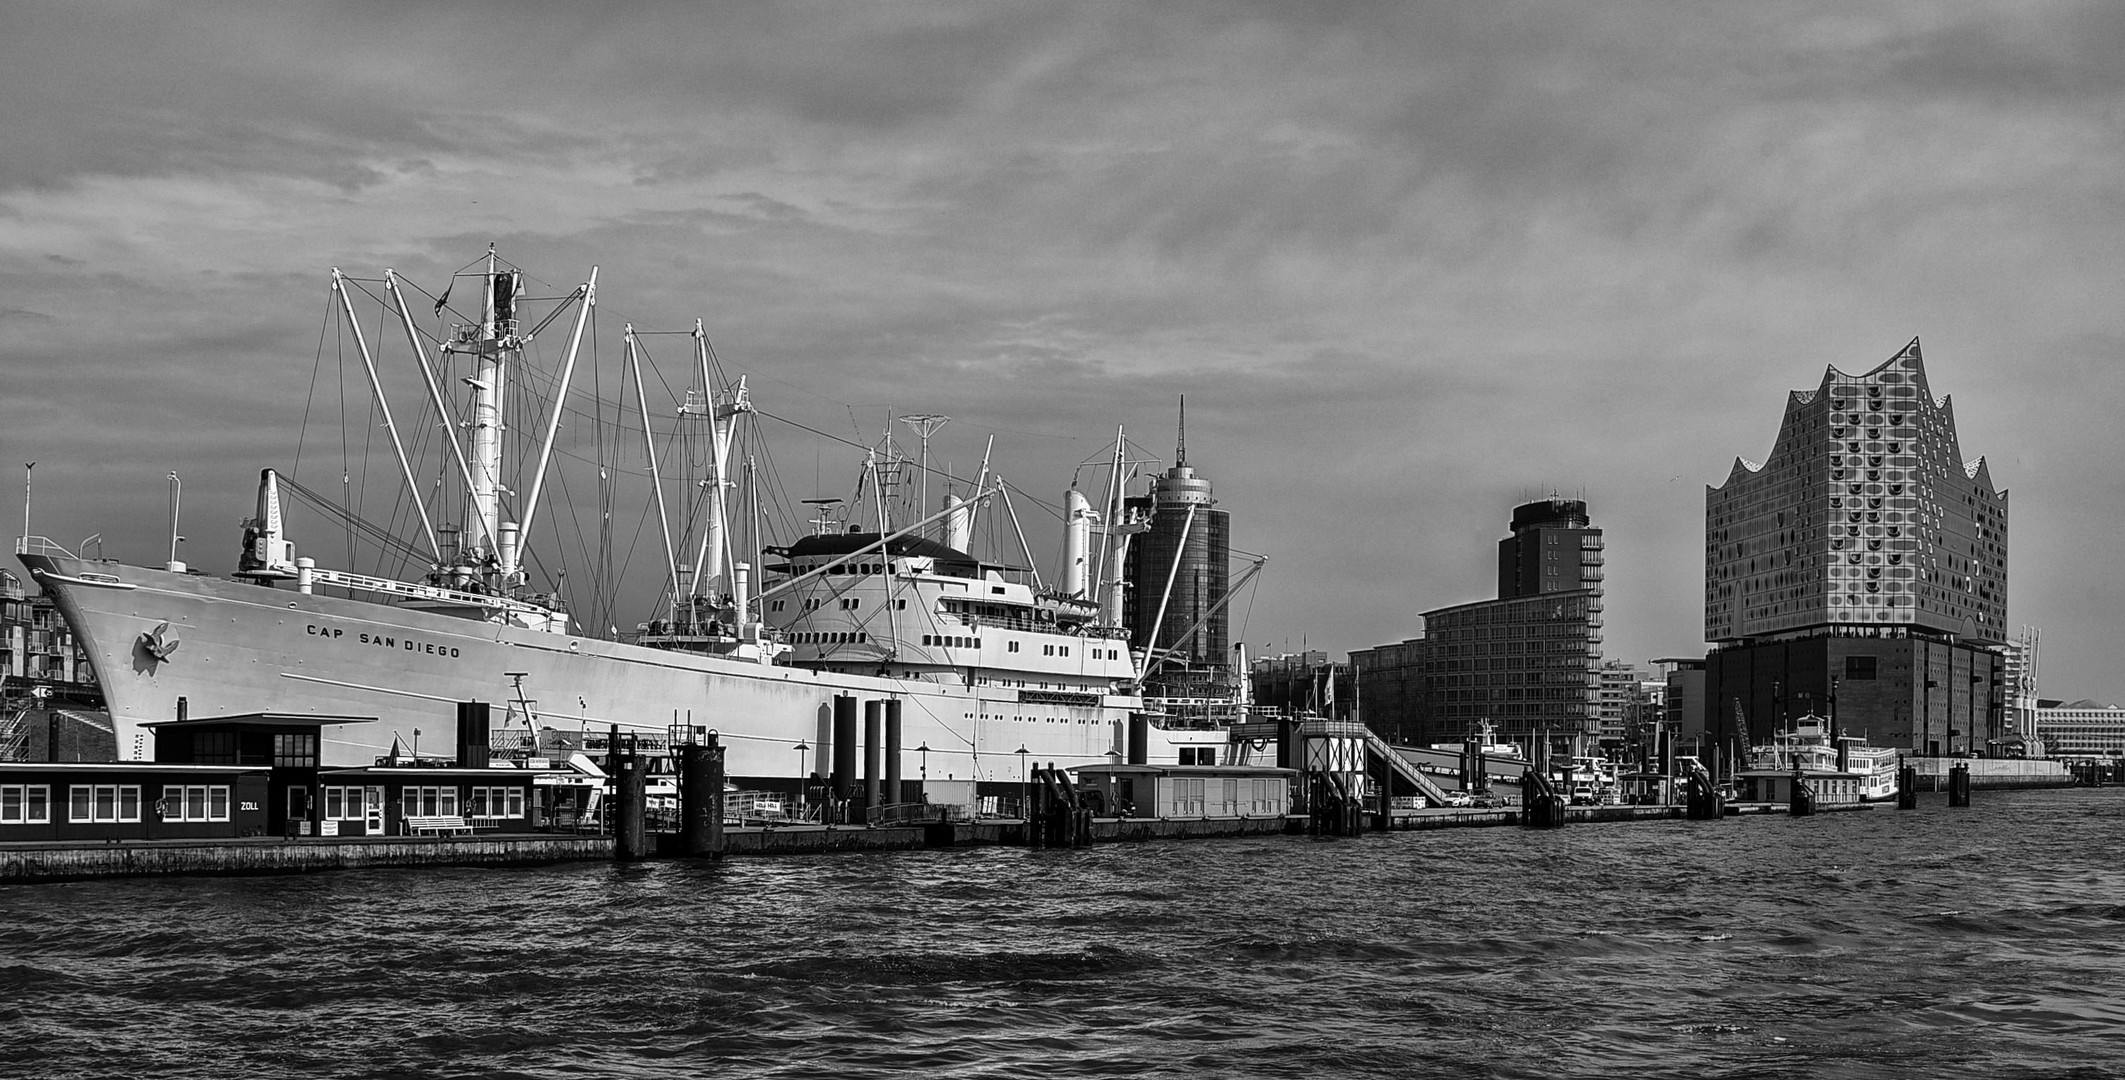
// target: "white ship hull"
[[244, 648]]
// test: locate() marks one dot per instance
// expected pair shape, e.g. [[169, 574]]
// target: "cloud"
[[1410, 263]]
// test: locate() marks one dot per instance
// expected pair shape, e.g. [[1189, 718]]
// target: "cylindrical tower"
[[1178, 570]]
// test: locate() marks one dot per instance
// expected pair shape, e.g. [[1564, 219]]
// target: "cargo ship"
[[985, 665]]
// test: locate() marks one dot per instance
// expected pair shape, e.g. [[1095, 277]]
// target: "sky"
[[1410, 263]]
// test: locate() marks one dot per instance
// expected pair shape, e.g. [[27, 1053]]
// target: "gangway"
[[1384, 751], [96, 721]]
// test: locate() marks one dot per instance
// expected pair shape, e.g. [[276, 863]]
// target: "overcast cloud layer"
[[1409, 263]]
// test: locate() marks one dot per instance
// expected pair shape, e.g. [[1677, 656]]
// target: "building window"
[[346, 804], [495, 802], [429, 802], [196, 802], [1860, 668], [102, 803], [25, 804], [295, 751], [214, 747]]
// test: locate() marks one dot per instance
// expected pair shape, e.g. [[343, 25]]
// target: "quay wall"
[[1139, 830], [818, 839], [1992, 772], [64, 862]]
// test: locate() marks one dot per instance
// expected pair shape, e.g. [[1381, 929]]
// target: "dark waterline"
[[1981, 942]]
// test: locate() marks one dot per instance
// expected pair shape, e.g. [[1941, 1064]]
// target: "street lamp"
[[801, 748], [1021, 752], [924, 750]]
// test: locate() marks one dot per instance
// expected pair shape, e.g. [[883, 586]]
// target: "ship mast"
[[495, 347], [722, 408]]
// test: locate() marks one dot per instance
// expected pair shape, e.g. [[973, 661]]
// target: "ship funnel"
[[268, 555], [1077, 542], [741, 583], [506, 549]]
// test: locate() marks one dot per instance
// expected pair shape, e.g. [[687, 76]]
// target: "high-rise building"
[[1177, 571], [1527, 662], [1865, 560], [1554, 546]]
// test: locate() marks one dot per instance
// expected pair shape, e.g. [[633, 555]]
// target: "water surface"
[[1981, 942]]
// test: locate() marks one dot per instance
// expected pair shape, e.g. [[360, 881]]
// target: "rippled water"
[[1980, 942]]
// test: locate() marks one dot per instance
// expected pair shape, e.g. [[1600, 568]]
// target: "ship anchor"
[[156, 646]]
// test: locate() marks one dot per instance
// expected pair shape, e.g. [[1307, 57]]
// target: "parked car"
[[1460, 798], [1489, 800]]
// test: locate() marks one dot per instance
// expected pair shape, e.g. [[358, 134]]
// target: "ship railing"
[[512, 745], [45, 545], [755, 807], [390, 587]]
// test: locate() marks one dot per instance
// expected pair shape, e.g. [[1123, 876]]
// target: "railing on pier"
[[917, 814]]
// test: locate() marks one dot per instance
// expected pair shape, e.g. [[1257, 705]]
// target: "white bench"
[[441, 825]]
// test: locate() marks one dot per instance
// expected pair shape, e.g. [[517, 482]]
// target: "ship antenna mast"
[[925, 425]]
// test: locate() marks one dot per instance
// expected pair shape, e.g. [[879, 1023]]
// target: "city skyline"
[[1409, 264]]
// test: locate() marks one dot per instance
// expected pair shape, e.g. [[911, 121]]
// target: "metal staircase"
[[1383, 751], [15, 732]]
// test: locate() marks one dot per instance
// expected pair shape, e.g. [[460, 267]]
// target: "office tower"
[[1528, 662], [1178, 570]]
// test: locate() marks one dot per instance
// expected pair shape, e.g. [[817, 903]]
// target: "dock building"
[[1529, 661], [1863, 563]]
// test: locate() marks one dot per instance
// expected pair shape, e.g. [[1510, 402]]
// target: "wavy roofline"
[[1795, 399]]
